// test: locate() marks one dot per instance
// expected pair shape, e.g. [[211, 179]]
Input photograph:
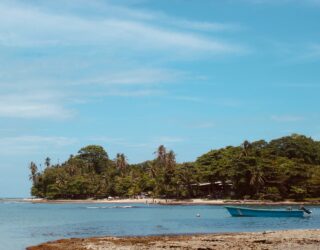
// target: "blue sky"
[[131, 75]]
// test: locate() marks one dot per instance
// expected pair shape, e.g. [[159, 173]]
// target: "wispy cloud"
[[33, 105], [203, 125], [206, 26], [150, 142], [286, 118], [305, 53], [169, 139], [56, 29], [31, 144], [122, 142], [90, 47], [288, 53], [188, 98], [228, 102], [135, 77], [281, 2], [311, 53], [126, 144], [300, 85], [133, 93]]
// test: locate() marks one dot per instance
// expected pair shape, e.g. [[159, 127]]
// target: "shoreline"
[[173, 201], [284, 239]]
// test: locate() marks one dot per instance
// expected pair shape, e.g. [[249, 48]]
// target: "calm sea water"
[[25, 224]]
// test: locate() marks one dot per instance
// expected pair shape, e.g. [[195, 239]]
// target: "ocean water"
[[23, 224]]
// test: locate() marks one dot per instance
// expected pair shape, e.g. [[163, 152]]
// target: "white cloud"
[[33, 110], [205, 26], [312, 52], [168, 139], [39, 140], [299, 85], [202, 125], [133, 93], [31, 144], [136, 77], [121, 143], [49, 99], [28, 105], [281, 2], [151, 143], [286, 118], [228, 102], [88, 48], [35, 27], [189, 98], [294, 53]]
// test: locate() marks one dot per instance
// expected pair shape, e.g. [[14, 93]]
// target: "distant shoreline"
[[286, 239], [173, 201]]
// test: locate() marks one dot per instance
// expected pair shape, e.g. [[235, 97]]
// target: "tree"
[[161, 156], [93, 153], [47, 162], [246, 147], [121, 162], [95, 157], [187, 175], [257, 179], [314, 181], [34, 171], [287, 167], [298, 193], [170, 159]]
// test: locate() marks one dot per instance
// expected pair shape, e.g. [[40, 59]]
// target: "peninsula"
[[282, 169]]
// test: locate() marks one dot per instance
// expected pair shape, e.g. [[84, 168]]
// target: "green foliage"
[[271, 193], [299, 193], [95, 157], [284, 168]]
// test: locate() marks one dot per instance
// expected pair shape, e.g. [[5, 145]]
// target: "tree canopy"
[[284, 168]]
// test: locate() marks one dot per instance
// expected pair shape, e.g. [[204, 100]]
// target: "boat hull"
[[250, 212]]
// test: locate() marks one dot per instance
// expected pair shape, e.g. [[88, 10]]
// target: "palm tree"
[[34, 170], [257, 179], [121, 162], [47, 162], [246, 147], [161, 155], [170, 160]]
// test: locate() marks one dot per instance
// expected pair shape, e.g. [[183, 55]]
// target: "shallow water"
[[25, 224]]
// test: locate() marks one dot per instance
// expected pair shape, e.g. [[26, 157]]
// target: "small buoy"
[[198, 215]]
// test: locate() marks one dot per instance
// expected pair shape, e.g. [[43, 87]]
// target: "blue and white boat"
[[254, 212]]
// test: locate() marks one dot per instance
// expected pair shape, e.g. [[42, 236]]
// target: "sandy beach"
[[176, 202], [292, 239]]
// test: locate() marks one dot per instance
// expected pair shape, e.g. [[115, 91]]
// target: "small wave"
[[122, 207], [10, 201], [110, 207]]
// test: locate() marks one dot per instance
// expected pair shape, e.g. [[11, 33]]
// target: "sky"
[[131, 75]]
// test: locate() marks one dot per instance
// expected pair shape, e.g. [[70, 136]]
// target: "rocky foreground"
[[292, 239]]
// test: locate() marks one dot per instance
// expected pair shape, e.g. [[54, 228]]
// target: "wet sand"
[[289, 239]]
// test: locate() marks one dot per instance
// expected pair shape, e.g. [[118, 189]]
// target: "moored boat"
[[254, 212]]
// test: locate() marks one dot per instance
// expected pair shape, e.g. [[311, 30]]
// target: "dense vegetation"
[[284, 168]]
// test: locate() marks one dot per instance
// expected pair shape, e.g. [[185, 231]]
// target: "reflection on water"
[[24, 224]]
